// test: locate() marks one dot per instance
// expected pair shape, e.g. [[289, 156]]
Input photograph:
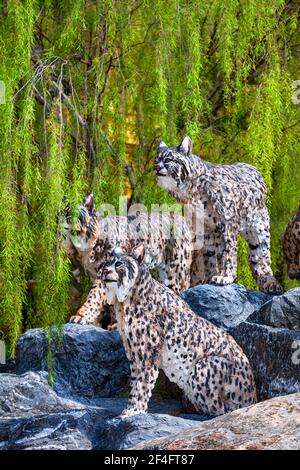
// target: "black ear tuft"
[[186, 145], [138, 252]]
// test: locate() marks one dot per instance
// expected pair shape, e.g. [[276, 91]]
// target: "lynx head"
[[86, 226], [174, 165], [119, 273]]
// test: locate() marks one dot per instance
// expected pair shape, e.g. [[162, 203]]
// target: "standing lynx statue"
[[233, 198]]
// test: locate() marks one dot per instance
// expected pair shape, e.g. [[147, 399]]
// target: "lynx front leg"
[[220, 255], [175, 272], [205, 258], [91, 309], [228, 254], [257, 234], [142, 384]]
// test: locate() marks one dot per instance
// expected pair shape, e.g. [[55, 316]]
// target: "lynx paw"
[[222, 280], [78, 319], [270, 285], [130, 412]]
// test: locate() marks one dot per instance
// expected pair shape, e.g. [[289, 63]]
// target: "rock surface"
[[280, 312], [29, 394], [90, 368], [274, 354], [123, 434], [270, 425], [33, 417], [86, 361], [226, 306]]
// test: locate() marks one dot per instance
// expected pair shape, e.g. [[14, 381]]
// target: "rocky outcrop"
[[90, 380], [269, 425], [91, 362], [272, 353], [280, 312], [85, 361], [29, 394], [123, 434], [265, 326], [33, 417], [226, 306]]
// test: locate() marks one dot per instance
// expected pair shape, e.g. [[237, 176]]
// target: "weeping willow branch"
[[85, 105], [83, 123]]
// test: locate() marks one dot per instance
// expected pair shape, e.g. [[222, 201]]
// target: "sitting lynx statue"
[[160, 331], [233, 198]]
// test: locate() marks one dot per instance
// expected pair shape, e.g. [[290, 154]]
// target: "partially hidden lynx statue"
[[168, 258]]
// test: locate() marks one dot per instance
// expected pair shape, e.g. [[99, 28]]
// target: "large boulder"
[[274, 354], [280, 312], [270, 425], [123, 434], [31, 394], [264, 326], [225, 306], [85, 360], [33, 417]]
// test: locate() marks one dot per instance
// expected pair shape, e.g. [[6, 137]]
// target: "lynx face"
[[174, 165], [118, 275]]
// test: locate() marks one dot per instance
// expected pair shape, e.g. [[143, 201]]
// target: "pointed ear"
[[138, 252], [161, 145], [186, 145], [88, 201]]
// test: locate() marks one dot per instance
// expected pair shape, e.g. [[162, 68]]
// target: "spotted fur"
[[291, 246], [168, 253], [160, 331], [233, 198]]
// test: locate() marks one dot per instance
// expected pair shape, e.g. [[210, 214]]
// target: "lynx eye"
[[118, 264]]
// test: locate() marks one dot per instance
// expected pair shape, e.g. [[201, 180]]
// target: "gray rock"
[[33, 417], [225, 306], [64, 430], [29, 393], [274, 354], [86, 361], [280, 312], [270, 425], [126, 433]]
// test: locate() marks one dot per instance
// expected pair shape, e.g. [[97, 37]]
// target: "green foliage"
[[91, 86]]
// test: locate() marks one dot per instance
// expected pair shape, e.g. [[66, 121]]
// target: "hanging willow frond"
[[92, 85]]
